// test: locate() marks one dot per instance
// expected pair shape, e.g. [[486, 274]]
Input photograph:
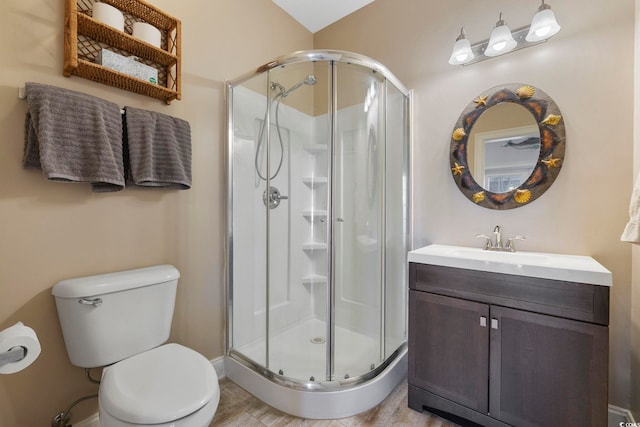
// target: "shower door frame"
[[333, 57]]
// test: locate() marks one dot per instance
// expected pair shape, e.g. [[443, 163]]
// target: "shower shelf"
[[315, 148], [314, 246], [314, 182], [314, 279], [315, 214]]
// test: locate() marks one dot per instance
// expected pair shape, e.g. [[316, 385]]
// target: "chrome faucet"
[[497, 232], [495, 243]]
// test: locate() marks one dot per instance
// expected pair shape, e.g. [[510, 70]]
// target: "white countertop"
[[570, 268]]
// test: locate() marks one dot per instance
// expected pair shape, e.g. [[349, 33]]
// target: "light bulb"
[[499, 46], [462, 57], [541, 32]]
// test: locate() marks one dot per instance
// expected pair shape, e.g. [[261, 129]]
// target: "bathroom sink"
[[570, 268], [506, 257]]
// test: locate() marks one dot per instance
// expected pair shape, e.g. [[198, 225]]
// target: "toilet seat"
[[201, 418], [158, 386]]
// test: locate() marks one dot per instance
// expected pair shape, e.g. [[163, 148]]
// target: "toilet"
[[121, 321]]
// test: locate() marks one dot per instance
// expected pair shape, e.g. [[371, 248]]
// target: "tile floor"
[[238, 408]]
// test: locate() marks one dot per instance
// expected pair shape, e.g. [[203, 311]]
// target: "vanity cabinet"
[[501, 349]]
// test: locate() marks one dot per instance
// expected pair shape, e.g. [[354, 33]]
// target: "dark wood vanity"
[[507, 350]]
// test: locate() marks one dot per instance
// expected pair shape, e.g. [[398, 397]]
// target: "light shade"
[[501, 41], [543, 25], [461, 53]]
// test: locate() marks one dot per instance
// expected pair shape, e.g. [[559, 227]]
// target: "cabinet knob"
[[494, 323], [483, 321]]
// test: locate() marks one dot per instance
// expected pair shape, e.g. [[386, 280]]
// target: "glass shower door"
[[358, 221], [396, 218], [249, 223], [297, 246]]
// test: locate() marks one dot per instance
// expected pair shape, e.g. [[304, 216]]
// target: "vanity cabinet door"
[[449, 348], [547, 371]]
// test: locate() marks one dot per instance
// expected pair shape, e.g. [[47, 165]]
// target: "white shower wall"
[[291, 302]]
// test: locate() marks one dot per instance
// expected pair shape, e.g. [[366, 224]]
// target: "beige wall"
[[587, 69], [52, 231]]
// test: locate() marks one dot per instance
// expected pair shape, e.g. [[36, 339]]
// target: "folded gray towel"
[[159, 149], [74, 137]]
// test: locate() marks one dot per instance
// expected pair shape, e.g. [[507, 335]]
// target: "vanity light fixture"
[[544, 24], [502, 40], [462, 52]]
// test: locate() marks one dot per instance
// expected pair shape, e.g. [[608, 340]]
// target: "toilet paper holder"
[[14, 354]]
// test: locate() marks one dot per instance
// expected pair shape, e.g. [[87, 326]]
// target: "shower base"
[[300, 355], [300, 352]]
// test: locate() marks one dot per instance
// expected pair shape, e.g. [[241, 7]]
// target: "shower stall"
[[318, 232]]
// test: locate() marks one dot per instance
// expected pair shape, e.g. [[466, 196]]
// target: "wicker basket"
[[85, 38]]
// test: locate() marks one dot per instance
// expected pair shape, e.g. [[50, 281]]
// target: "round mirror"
[[507, 146]]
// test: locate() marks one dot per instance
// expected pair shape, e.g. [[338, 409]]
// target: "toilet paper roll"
[[15, 336], [147, 33], [109, 15]]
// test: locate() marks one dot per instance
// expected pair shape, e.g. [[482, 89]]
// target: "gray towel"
[[74, 137], [159, 149]]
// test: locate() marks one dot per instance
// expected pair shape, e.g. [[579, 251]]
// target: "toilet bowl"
[[122, 321], [170, 385]]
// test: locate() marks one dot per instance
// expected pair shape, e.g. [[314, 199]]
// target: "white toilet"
[[120, 320]]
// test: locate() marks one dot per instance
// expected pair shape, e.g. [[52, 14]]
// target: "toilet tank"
[[109, 317]]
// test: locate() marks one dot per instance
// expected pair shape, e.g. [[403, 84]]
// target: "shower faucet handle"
[[272, 197]]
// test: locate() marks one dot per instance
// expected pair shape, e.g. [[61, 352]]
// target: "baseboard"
[[92, 421], [218, 365], [620, 416]]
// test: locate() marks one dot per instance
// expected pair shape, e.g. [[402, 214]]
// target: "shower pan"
[[318, 232]]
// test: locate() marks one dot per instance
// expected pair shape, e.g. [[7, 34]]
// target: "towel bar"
[[22, 94], [14, 354]]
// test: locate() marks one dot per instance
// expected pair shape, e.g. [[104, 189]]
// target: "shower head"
[[276, 85], [309, 81]]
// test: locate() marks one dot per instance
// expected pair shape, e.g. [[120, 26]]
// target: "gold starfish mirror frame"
[[552, 141]]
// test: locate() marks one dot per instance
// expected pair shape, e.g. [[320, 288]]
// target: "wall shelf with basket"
[[85, 38]]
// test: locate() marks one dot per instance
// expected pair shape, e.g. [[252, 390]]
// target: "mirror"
[[507, 146], [503, 147]]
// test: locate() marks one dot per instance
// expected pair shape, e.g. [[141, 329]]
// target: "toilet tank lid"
[[114, 282]]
